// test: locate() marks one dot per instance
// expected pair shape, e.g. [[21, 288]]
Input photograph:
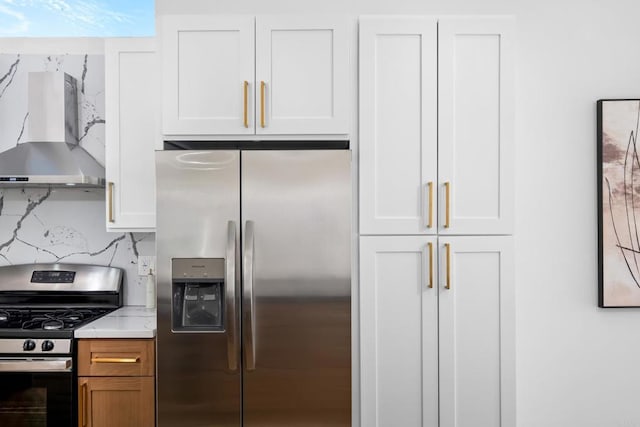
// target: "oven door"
[[36, 392]]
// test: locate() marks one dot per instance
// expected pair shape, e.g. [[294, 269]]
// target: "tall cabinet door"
[[302, 75], [398, 125], [399, 331], [296, 209], [132, 109], [476, 100], [208, 73], [477, 338]]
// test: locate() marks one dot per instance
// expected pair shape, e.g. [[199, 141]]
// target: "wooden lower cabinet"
[[116, 383], [116, 401]]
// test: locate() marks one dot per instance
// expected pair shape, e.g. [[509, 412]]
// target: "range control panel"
[[35, 346], [58, 276]]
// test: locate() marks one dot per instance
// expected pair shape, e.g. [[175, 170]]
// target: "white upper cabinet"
[[476, 120], [436, 125], [241, 75], [398, 125], [206, 61], [132, 133], [302, 75]]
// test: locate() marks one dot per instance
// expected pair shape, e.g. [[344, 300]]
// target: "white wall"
[[578, 366]]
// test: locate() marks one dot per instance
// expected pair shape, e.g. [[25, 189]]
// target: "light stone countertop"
[[125, 322]]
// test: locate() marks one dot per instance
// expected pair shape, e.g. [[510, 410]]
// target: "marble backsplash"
[[65, 224]]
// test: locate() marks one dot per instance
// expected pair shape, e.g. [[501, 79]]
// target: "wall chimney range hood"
[[52, 156]]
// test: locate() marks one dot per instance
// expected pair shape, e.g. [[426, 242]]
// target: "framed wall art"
[[619, 203]]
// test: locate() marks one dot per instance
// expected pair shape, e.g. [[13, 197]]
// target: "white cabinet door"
[[132, 132], [398, 125], [398, 331], [477, 336], [206, 61], [302, 74], [476, 101]]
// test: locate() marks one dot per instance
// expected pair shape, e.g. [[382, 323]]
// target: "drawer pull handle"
[[115, 359]]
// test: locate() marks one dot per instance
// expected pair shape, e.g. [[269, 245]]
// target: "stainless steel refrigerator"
[[254, 288]]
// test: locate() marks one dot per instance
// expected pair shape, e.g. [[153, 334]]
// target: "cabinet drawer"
[[116, 357]]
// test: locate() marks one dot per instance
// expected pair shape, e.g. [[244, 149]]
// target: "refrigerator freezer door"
[[297, 278], [198, 216]]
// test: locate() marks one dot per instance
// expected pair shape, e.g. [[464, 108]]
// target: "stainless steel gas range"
[[40, 306]]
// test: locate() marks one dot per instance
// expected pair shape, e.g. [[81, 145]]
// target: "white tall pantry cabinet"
[[436, 213]]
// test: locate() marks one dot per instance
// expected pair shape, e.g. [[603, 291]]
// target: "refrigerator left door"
[[198, 214]]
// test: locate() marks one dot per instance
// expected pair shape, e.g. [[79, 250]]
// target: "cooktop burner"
[[47, 319], [50, 301]]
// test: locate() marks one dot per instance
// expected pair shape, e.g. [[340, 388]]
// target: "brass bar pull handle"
[[430, 222], [447, 211], [245, 97], [430, 245], [83, 411], [115, 359], [262, 85], [110, 196], [447, 248]]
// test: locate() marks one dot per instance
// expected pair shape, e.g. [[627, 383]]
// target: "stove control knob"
[[47, 345], [29, 345]]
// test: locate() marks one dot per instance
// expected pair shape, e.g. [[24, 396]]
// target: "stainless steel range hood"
[[52, 156]]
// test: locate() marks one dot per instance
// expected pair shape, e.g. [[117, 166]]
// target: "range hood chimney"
[[52, 156]]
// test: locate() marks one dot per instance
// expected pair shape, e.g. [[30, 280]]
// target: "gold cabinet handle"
[[430, 245], [430, 222], [262, 85], [115, 359], [110, 197], [447, 248], [447, 192], [245, 97], [83, 411]]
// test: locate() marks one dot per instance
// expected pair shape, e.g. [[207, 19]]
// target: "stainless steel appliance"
[[40, 306], [254, 288], [52, 155]]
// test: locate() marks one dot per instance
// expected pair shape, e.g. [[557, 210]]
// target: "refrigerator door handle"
[[230, 298], [247, 305]]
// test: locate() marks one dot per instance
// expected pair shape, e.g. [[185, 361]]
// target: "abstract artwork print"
[[619, 202]]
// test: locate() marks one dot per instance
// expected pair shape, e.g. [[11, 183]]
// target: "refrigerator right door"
[[296, 215]]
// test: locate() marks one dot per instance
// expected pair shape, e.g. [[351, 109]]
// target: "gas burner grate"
[[12, 318], [57, 319]]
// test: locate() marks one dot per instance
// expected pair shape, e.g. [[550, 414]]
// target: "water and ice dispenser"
[[198, 295]]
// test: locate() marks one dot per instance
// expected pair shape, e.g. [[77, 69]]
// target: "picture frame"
[[618, 165]]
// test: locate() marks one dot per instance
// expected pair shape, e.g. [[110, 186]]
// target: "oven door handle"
[[36, 365]]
